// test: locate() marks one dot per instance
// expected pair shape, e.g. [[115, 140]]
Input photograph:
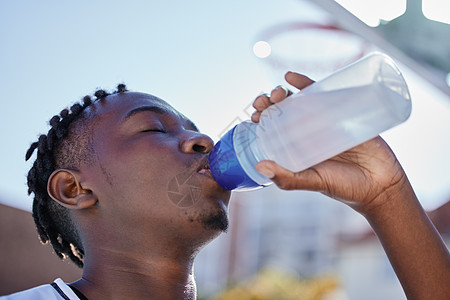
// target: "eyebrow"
[[158, 110], [155, 109]]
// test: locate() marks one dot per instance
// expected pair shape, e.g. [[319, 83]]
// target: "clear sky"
[[196, 54]]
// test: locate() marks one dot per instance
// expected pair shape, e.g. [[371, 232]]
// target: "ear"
[[65, 188]]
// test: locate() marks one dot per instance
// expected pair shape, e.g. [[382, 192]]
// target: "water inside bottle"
[[315, 127]]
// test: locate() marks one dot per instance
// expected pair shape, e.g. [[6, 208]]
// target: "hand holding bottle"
[[357, 177]]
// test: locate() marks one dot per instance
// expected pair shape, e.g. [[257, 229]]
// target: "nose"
[[196, 142]]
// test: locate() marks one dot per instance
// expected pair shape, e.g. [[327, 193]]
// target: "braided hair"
[[67, 144]]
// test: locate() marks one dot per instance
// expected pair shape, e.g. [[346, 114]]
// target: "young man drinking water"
[[101, 178]]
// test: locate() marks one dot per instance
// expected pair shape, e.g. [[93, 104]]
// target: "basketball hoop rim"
[[269, 33]]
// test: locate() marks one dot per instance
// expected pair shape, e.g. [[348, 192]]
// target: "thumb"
[[288, 180], [298, 80]]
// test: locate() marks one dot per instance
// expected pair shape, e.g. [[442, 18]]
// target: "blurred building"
[[307, 235], [24, 261], [293, 231]]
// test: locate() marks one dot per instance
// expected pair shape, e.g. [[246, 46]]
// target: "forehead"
[[121, 103], [119, 107]]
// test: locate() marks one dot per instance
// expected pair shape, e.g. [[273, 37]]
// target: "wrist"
[[390, 201]]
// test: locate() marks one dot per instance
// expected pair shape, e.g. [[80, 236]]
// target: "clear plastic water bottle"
[[325, 119]]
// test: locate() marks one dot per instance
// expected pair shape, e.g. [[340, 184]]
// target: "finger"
[[279, 93], [288, 180], [261, 102], [298, 80], [256, 116]]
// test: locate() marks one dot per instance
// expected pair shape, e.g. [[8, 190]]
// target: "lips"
[[203, 171], [203, 167]]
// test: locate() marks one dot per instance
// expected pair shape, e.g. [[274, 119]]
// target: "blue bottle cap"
[[225, 166]]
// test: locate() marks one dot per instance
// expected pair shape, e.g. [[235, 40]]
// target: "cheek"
[[138, 186], [144, 174], [140, 169]]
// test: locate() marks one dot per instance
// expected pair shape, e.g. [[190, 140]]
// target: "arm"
[[412, 244], [370, 179]]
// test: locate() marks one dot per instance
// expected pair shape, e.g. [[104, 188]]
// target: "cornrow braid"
[[53, 221]]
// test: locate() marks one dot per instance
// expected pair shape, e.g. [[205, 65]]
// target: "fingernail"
[[265, 171], [286, 91]]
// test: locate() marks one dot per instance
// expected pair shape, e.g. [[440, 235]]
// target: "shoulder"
[[55, 291]]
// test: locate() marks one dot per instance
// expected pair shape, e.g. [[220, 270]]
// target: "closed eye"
[[154, 130]]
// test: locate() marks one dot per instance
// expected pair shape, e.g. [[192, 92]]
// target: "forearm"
[[412, 244]]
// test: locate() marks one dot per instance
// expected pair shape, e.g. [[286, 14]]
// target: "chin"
[[215, 218], [215, 221], [205, 225]]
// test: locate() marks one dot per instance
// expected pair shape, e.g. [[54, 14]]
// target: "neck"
[[114, 274]]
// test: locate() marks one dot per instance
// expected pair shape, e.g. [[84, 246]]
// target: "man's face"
[[151, 175]]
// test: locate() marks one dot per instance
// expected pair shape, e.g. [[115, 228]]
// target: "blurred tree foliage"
[[271, 284]]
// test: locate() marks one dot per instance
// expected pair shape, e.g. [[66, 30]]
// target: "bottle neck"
[[248, 151], [226, 168]]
